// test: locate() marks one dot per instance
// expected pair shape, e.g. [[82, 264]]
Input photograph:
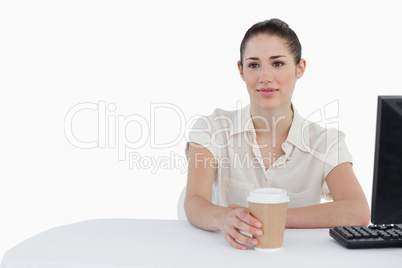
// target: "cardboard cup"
[[269, 205]]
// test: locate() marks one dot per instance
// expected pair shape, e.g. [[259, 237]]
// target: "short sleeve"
[[337, 153], [201, 134]]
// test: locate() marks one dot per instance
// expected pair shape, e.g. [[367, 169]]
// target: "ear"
[[301, 68], [240, 67]]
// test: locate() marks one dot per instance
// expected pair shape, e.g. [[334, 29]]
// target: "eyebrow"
[[271, 58]]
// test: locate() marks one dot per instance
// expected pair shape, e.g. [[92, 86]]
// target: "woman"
[[268, 144]]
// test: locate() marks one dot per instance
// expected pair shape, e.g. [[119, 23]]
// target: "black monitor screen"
[[386, 207]]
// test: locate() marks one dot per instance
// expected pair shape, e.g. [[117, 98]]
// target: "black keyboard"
[[373, 236]]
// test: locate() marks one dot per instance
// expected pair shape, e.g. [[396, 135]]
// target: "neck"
[[272, 124]]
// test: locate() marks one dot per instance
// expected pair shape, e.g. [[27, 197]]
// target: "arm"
[[203, 214], [349, 207]]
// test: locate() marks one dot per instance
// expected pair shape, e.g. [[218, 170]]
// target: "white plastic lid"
[[268, 196]]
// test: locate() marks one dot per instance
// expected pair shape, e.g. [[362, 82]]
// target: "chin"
[[271, 104], [268, 104]]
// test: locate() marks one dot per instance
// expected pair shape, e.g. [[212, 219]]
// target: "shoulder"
[[212, 131], [218, 119], [315, 138], [318, 134], [327, 145]]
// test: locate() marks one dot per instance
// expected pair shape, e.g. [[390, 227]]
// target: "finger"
[[233, 242], [244, 215], [241, 225], [248, 223], [238, 236]]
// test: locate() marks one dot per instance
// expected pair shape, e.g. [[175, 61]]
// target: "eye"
[[278, 63], [253, 65]]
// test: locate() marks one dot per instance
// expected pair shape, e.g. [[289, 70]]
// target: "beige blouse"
[[311, 152]]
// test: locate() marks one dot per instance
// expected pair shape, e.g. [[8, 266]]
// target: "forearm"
[[202, 213], [327, 215]]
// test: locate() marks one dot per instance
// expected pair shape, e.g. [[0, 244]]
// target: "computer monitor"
[[386, 206]]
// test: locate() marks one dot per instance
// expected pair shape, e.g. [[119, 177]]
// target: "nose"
[[265, 75]]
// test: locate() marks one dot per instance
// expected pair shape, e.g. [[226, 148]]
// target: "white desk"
[[169, 243]]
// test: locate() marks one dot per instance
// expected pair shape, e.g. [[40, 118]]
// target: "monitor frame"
[[379, 202]]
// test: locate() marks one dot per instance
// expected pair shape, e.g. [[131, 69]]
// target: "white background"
[[57, 54]]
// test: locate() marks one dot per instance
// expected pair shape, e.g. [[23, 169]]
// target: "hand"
[[238, 218]]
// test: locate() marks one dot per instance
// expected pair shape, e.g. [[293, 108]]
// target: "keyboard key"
[[374, 235], [393, 235], [362, 230], [384, 234], [357, 235], [344, 232], [371, 232], [398, 226], [352, 231], [399, 232], [377, 236], [365, 234]]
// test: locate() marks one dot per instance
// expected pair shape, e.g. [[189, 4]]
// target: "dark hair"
[[277, 28]]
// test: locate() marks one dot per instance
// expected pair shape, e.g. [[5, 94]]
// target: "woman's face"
[[270, 72]]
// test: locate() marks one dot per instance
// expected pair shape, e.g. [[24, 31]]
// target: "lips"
[[267, 91]]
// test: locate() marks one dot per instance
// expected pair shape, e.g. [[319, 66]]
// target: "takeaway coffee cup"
[[269, 205]]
